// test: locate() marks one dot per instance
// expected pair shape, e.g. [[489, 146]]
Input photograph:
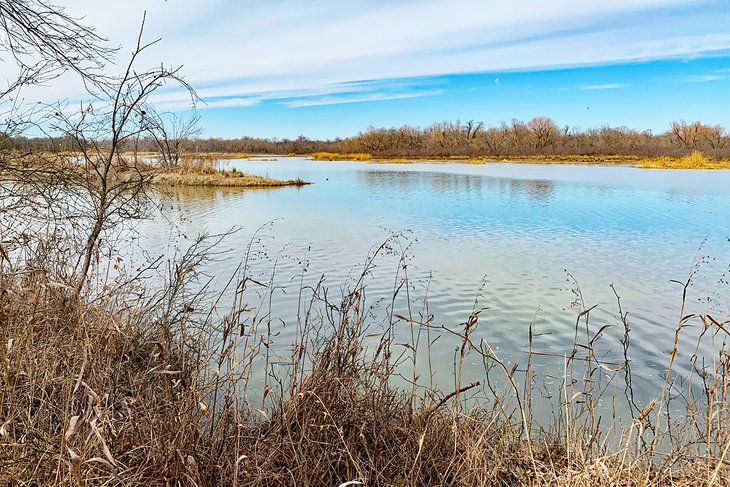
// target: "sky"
[[331, 68]]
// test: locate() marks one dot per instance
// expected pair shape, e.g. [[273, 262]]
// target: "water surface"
[[522, 241]]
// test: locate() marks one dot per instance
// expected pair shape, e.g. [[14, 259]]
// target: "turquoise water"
[[506, 238]]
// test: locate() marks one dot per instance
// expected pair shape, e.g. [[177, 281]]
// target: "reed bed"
[[202, 170], [695, 160], [131, 385], [231, 178], [336, 156]]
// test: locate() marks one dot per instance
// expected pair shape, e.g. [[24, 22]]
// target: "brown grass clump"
[[695, 160], [335, 156], [223, 179], [202, 170], [92, 392]]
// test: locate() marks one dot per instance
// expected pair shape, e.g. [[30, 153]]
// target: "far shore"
[[198, 168], [695, 160]]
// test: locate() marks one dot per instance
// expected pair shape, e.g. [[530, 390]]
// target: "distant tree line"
[[538, 136]]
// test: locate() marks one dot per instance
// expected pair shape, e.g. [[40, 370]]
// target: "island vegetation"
[[106, 379], [202, 170]]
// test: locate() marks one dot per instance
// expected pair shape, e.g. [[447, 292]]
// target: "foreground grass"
[[139, 388]]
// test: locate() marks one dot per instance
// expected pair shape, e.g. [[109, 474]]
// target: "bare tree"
[[42, 42], [38, 43], [472, 128], [170, 132], [687, 134], [544, 131], [81, 197], [712, 136], [45, 41], [115, 183]]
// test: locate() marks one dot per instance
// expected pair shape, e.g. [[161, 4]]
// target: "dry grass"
[[222, 179], [149, 390], [190, 171], [335, 156], [696, 160], [202, 170], [219, 155]]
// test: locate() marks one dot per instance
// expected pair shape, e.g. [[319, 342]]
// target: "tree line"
[[538, 136]]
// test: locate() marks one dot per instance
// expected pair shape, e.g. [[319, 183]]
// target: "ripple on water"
[[503, 237]]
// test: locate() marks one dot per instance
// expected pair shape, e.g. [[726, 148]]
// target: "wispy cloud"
[[249, 50], [607, 86], [702, 78], [359, 98], [329, 94], [231, 102]]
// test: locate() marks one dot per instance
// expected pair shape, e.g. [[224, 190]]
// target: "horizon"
[[326, 70]]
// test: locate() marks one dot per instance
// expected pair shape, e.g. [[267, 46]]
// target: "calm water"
[[503, 236]]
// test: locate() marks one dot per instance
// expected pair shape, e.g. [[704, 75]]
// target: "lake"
[[515, 240]]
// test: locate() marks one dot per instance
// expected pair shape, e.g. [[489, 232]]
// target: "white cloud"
[[702, 78], [255, 50], [607, 86], [357, 98]]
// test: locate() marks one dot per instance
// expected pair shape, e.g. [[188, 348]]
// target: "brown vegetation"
[[202, 170], [139, 387], [694, 160], [109, 377], [539, 136], [232, 178], [334, 156]]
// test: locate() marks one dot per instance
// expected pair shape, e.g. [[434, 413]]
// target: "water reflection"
[[446, 183]]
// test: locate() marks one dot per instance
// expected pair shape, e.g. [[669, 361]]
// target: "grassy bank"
[[190, 170], [695, 160], [232, 178], [202, 170], [140, 387], [335, 156]]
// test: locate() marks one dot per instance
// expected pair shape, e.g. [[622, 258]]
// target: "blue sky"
[[326, 68], [639, 95]]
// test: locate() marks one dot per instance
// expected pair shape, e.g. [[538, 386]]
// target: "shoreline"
[[696, 160]]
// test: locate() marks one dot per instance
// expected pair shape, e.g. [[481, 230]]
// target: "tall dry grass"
[[130, 386]]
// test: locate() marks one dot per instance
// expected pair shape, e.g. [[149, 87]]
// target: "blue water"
[[503, 237]]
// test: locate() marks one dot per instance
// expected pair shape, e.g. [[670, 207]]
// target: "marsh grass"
[[202, 170], [695, 160], [232, 178], [175, 386], [335, 156], [192, 170], [201, 163]]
